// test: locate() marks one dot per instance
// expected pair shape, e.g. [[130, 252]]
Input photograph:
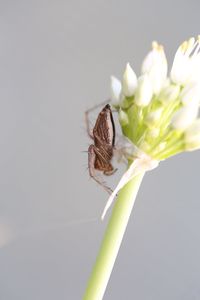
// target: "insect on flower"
[[101, 152]]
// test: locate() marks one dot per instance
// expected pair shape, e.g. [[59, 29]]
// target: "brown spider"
[[101, 152]]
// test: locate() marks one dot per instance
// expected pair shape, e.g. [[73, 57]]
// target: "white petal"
[[155, 65], [192, 136], [169, 93], [129, 82], [144, 91], [195, 62], [190, 94], [156, 57], [195, 69], [186, 63], [181, 69], [116, 88], [184, 117], [123, 118]]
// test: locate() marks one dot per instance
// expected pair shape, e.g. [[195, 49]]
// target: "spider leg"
[[87, 112], [87, 124], [108, 173]]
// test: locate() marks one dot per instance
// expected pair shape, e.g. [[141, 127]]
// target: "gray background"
[[55, 61]]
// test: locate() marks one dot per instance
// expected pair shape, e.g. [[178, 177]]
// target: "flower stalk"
[[112, 240]]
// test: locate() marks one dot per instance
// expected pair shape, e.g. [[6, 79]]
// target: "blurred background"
[[56, 58]]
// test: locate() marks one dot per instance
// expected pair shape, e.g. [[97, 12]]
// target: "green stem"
[[112, 240]]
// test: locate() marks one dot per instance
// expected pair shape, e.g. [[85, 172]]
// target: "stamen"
[[196, 47], [190, 46], [157, 47], [183, 47]]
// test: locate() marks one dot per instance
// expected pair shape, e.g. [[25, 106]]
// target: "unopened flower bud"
[[115, 90], [129, 82], [155, 65], [144, 91], [123, 118]]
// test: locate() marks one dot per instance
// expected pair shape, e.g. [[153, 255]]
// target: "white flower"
[[161, 116], [184, 117], [144, 91], [190, 94], [192, 136], [186, 65], [155, 65], [116, 88], [129, 81]]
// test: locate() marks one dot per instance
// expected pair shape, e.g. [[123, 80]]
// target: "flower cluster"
[[159, 112]]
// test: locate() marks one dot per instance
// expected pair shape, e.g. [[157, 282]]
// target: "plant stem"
[[112, 240]]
